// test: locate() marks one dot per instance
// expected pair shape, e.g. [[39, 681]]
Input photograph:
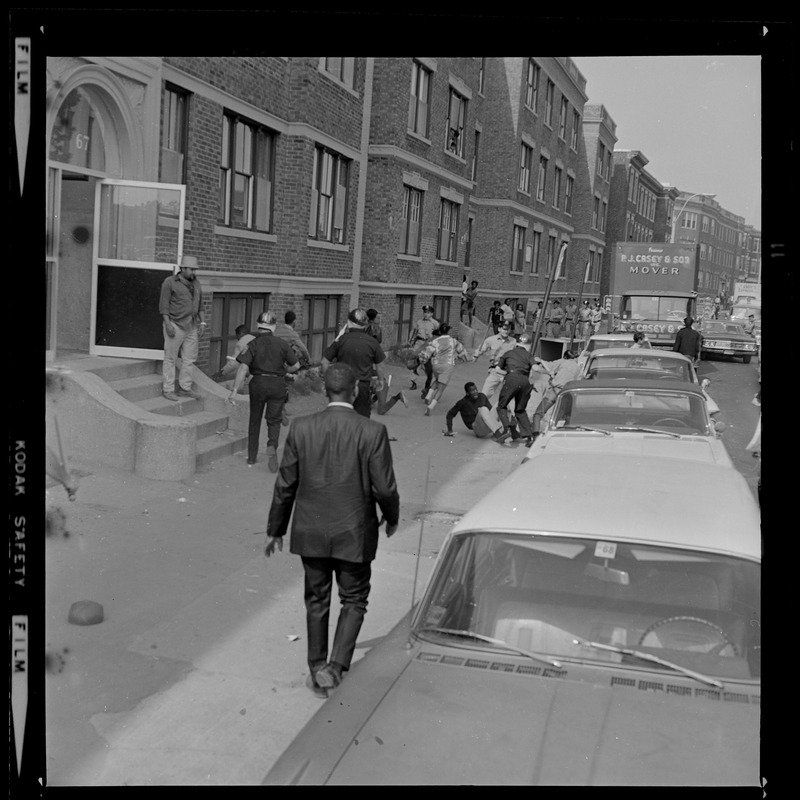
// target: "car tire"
[[746, 359]]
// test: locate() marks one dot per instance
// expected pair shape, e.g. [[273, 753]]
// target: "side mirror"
[[719, 427]]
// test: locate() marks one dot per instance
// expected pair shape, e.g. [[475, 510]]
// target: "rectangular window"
[[518, 249], [419, 100], [557, 187], [562, 119], [548, 103], [405, 318], [551, 254], [481, 84], [603, 216], [228, 311], [246, 174], [541, 180], [456, 120], [609, 156], [173, 146], [448, 231], [532, 89], [412, 220], [474, 171], [689, 220], [576, 124], [569, 189], [535, 250], [525, 159], [441, 307], [595, 212], [601, 155], [341, 68], [329, 196], [321, 318]]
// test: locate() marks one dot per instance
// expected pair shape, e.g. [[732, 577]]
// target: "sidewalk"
[[196, 675]]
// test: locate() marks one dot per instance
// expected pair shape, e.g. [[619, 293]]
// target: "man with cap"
[[268, 359], [335, 477], [688, 341], [360, 351], [555, 321], [495, 346], [516, 363], [181, 307], [421, 334], [570, 312], [750, 325]]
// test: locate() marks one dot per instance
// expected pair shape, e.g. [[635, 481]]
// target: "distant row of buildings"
[[318, 184]]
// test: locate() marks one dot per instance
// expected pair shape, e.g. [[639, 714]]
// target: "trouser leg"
[[520, 404], [275, 401], [547, 401], [258, 399], [317, 596], [353, 581], [362, 404], [428, 375], [172, 346], [189, 349]]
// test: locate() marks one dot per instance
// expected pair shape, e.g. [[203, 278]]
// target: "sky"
[[697, 119]]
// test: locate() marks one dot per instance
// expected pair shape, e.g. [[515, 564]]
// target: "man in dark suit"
[[336, 468]]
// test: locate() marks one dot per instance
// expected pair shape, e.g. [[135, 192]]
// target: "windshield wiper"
[[648, 430], [480, 637], [698, 676], [582, 428]]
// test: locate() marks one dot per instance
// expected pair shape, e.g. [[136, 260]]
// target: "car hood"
[[450, 723], [728, 337]]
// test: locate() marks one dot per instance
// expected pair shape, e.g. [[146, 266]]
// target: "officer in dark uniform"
[[269, 359], [360, 351], [517, 387]]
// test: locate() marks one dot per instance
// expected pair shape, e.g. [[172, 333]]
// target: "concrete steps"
[[140, 383]]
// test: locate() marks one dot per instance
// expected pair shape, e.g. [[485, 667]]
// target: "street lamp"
[[676, 217]]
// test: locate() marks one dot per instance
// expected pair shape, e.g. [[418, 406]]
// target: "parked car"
[[610, 641], [652, 418], [727, 339], [617, 363]]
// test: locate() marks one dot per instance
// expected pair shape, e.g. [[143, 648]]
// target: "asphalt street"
[[196, 674]]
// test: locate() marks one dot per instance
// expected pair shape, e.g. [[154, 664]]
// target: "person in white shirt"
[[442, 353], [561, 372], [495, 346]]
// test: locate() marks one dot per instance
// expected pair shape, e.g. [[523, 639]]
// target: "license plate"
[[727, 352]]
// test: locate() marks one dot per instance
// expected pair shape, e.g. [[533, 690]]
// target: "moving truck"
[[653, 288]]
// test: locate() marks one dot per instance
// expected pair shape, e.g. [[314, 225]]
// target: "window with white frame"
[[576, 124], [549, 98], [447, 240], [518, 249], [557, 176], [456, 119], [569, 189], [536, 246], [412, 220], [329, 196], [713, 227], [341, 68], [246, 174], [689, 220], [525, 160], [419, 99], [174, 131], [532, 87], [703, 250], [609, 156], [562, 119], [541, 180]]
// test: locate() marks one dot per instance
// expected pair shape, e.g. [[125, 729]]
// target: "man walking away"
[[268, 359], [688, 341], [335, 474], [442, 352], [181, 308], [360, 351]]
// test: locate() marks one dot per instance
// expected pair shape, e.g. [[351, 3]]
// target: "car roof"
[[621, 497], [610, 337], [630, 353], [634, 384]]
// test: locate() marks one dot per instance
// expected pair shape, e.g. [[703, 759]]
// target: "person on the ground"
[[560, 372], [421, 335], [360, 351], [243, 338], [379, 395], [285, 330], [442, 352], [495, 318], [335, 474], [476, 413], [556, 321], [470, 297], [268, 359], [495, 346], [516, 364], [570, 315], [688, 341], [181, 308], [373, 329]]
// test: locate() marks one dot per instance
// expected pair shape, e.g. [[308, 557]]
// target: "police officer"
[[517, 387], [269, 359]]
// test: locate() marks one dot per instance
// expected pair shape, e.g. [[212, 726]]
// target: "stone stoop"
[[141, 383]]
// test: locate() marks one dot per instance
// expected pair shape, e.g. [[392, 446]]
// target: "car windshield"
[[539, 593], [723, 327], [673, 411], [665, 367]]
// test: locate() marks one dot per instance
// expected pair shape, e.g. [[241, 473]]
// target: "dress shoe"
[[330, 676], [189, 393], [500, 437], [316, 689], [515, 434], [272, 459], [171, 396]]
